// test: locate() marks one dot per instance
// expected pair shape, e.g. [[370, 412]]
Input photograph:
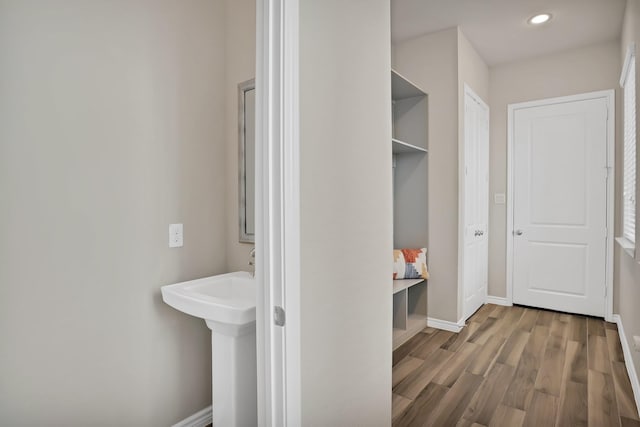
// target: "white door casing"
[[559, 204], [475, 211], [277, 197]]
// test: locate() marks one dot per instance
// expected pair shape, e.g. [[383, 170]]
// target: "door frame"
[[609, 96], [468, 92], [277, 241]]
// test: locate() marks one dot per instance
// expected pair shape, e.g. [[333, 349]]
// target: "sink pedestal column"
[[234, 375]]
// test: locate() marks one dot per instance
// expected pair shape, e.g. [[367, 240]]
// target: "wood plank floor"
[[514, 366]]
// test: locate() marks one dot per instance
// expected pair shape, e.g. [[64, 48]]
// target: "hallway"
[[513, 366]]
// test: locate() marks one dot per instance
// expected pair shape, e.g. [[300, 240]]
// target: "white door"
[[476, 202], [560, 205]]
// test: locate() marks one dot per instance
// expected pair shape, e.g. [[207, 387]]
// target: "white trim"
[[468, 91], [290, 217], [628, 246], [498, 301], [628, 360], [461, 206], [509, 231], [277, 198], [629, 219], [446, 325], [611, 201], [609, 95], [202, 418], [631, 53]]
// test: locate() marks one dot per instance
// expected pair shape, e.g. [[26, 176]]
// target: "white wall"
[[111, 127], [346, 212], [240, 61], [572, 72]]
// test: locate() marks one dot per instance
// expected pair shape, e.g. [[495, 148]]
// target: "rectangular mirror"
[[246, 159]]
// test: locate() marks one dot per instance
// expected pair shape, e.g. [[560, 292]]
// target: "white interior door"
[[476, 203], [560, 205]]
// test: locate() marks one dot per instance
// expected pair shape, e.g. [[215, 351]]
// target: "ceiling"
[[499, 31]]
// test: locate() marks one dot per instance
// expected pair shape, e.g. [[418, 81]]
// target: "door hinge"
[[279, 316], [605, 291]]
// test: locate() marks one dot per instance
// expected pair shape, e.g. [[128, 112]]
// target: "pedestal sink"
[[227, 303]]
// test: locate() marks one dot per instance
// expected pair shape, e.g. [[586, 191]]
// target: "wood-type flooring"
[[514, 366]]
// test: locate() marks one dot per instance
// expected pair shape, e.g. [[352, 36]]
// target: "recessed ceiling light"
[[539, 19]]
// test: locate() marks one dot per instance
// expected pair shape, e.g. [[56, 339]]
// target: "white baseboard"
[[445, 324], [199, 419], [628, 361], [498, 301]]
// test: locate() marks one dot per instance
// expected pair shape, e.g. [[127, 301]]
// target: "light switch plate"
[[499, 198], [636, 343], [176, 238]]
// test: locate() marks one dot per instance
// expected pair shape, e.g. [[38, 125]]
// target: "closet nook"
[[409, 148]]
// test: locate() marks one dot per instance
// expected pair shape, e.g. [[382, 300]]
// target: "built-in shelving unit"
[[409, 116], [401, 285], [409, 148], [403, 88], [401, 147], [409, 309]]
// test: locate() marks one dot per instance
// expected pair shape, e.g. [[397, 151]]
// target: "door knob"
[[518, 232]]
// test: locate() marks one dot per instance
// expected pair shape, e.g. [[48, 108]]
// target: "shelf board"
[[401, 147], [402, 284], [402, 88]]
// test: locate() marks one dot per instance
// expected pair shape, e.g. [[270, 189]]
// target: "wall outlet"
[[636, 343], [175, 236], [499, 198]]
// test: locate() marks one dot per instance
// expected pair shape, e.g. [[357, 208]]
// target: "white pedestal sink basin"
[[227, 303]]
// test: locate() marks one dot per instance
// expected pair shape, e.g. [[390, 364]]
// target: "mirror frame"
[[243, 88]]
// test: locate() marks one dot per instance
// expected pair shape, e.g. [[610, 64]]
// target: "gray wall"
[[431, 62], [473, 71], [627, 271], [346, 212], [111, 127], [240, 61], [441, 63], [572, 72]]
